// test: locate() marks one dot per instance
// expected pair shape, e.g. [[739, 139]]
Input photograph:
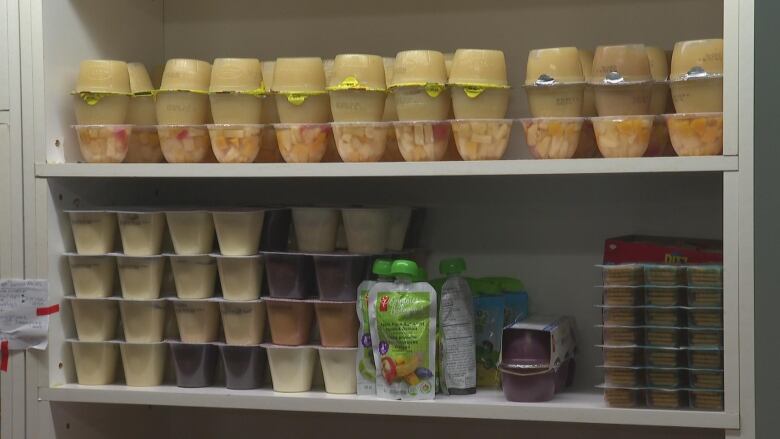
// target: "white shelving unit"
[[543, 220]]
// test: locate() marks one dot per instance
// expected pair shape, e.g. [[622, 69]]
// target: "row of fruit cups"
[[662, 296], [662, 275], [239, 232], [292, 368], [333, 276]]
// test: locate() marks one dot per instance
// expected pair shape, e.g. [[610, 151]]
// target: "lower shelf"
[[566, 407]]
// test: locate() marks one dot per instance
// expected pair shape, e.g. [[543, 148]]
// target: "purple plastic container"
[[526, 346], [195, 364], [528, 381], [276, 230], [338, 276], [290, 275]]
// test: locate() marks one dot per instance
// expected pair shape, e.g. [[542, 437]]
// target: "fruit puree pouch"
[[403, 332], [458, 375], [366, 369], [488, 324], [515, 298]]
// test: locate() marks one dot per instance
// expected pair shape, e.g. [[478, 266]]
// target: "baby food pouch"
[[456, 329], [488, 324], [403, 330], [515, 298], [366, 370]]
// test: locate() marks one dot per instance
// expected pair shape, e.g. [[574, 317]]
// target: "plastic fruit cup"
[[106, 77], [103, 143], [276, 230], [553, 138], [484, 139], [144, 363], [241, 277], [141, 232], [702, 55], [477, 66], [399, 219], [422, 141], [144, 145], [198, 321], [192, 232], [315, 228], [489, 103], [357, 82], [290, 275], [623, 136], [299, 86], [182, 107], [696, 134], [290, 321], [93, 276], [195, 276], [560, 64], [338, 323], [361, 141], [236, 108], [239, 231], [243, 322], [299, 108], [142, 109], [628, 61], [195, 364], [698, 95], [185, 143], [338, 275], [559, 100], [236, 143], [292, 368], [96, 319], [409, 74], [108, 110], [95, 362], [302, 143], [366, 229], [143, 320], [623, 99], [244, 366], [586, 147], [339, 368], [93, 231], [140, 276], [229, 78], [416, 103]]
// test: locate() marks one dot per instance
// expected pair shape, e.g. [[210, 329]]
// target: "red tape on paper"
[[4, 355], [47, 310]]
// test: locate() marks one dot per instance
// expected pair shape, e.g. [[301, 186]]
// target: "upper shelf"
[[401, 169]]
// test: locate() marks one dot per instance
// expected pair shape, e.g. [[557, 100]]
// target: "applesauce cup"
[[478, 80], [357, 88], [183, 97], [103, 143], [192, 232], [140, 276], [96, 319], [236, 143], [553, 138], [292, 367], [339, 369], [236, 90], [482, 139], [697, 76], [143, 321], [299, 89], [554, 82], [93, 276], [243, 322], [185, 143], [94, 231], [198, 320], [239, 231], [623, 136], [366, 229], [302, 143], [241, 277], [422, 140], [315, 228], [361, 141], [696, 134], [143, 145], [195, 276], [141, 232], [95, 362], [622, 79], [102, 94], [143, 363]]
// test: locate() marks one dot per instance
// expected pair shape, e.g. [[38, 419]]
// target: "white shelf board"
[[566, 407], [400, 169]]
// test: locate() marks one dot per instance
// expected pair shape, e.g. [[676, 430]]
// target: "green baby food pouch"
[[366, 369], [515, 298], [403, 332], [488, 326]]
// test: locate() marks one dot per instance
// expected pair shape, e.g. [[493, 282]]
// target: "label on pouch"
[[24, 313]]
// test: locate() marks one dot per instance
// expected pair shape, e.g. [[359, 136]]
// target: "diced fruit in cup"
[[301, 143], [237, 143], [623, 137], [481, 139], [552, 138], [424, 141], [144, 147], [695, 136], [361, 143], [104, 144], [185, 144]]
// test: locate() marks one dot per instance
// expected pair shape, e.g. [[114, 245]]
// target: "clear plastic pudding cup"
[[241, 277], [423, 140], [243, 322], [195, 276], [302, 143], [103, 143], [93, 276], [198, 321], [553, 138], [192, 232], [238, 231], [95, 362], [141, 232], [623, 136], [482, 139], [236, 143], [366, 229], [96, 320], [143, 363], [140, 276], [315, 228], [144, 145], [94, 231], [339, 369], [292, 368], [143, 321], [696, 134], [361, 141], [185, 143]]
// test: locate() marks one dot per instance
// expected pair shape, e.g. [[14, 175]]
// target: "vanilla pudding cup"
[[141, 232], [183, 97], [418, 85], [299, 88], [198, 321], [480, 89], [554, 82], [143, 363], [589, 100], [697, 76], [192, 232], [238, 232], [339, 369], [93, 276], [315, 228], [96, 320], [241, 277], [95, 362], [622, 80], [102, 94], [292, 368], [236, 90], [243, 322], [140, 276], [195, 276], [358, 88], [93, 231], [366, 229], [143, 321]]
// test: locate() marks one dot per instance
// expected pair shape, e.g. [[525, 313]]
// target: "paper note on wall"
[[24, 313]]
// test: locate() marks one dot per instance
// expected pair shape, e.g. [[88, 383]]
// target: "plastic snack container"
[[697, 76], [239, 231], [192, 232], [243, 322], [623, 377], [554, 82], [143, 363], [315, 228], [183, 96], [236, 91], [93, 276], [140, 276], [623, 136], [696, 134], [198, 320], [622, 80], [361, 141], [102, 94], [705, 297], [482, 139], [622, 296], [665, 378], [96, 319], [96, 362], [338, 275], [707, 338], [664, 296], [622, 398], [339, 369], [479, 85], [292, 368], [668, 337], [94, 231], [622, 356], [664, 275], [705, 275], [195, 364], [103, 143], [553, 138], [665, 399], [290, 275], [357, 88], [706, 379], [143, 321], [622, 274], [143, 146], [235, 143], [338, 323], [366, 229], [141, 232], [290, 321], [195, 276], [707, 400], [241, 277], [244, 366], [185, 143], [622, 336]]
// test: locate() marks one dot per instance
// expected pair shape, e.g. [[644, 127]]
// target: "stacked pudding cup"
[[480, 99], [358, 90], [696, 81], [183, 110], [236, 93], [422, 104], [555, 85], [101, 101], [143, 144]]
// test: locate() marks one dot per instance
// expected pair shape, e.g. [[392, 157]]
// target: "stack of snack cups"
[[480, 99], [304, 109], [422, 103], [392, 154], [236, 95], [269, 149], [697, 92], [183, 110], [587, 145], [101, 101], [659, 70], [358, 90], [555, 86], [143, 145]]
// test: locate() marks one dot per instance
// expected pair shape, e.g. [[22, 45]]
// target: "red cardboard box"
[[662, 250]]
